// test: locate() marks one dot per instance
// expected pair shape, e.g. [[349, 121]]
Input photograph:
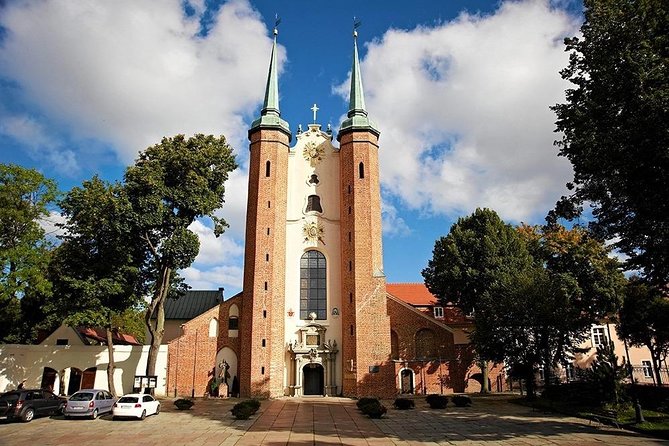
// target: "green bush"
[[183, 404], [437, 401], [374, 409], [366, 400], [244, 409], [403, 404], [462, 400]]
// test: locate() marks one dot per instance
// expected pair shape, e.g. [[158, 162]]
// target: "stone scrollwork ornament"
[[313, 232]]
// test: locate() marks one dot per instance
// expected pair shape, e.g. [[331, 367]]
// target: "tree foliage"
[[534, 291], [644, 320], [169, 186], [95, 270], [614, 127], [25, 196]]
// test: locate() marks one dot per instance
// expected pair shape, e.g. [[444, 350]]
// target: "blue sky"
[[460, 90]]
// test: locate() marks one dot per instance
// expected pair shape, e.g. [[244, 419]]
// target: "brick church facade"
[[316, 316]]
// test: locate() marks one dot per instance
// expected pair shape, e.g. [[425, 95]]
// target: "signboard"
[[150, 382]]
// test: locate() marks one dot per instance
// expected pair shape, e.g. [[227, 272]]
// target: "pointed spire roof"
[[357, 115], [270, 115]]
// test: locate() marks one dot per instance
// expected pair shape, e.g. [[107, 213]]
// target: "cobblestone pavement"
[[324, 421]]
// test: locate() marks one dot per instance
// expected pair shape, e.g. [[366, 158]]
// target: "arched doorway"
[[88, 378], [70, 380], [50, 380], [314, 378], [226, 370], [406, 381]]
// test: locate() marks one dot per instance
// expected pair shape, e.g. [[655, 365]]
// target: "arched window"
[[268, 165], [313, 285], [314, 204], [361, 170], [394, 345], [213, 328], [425, 343]]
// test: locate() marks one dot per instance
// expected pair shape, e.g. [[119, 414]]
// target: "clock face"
[[312, 152]]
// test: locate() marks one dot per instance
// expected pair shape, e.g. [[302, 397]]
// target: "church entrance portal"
[[314, 379], [406, 381]]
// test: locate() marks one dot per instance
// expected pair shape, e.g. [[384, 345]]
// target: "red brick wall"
[[261, 368], [364, 313], [192, 356], [449, 370]]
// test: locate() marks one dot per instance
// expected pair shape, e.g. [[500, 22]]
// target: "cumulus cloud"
[[228, 277], [127, 73], [464, 111], [50, 225], [393, 225], [214, 250]]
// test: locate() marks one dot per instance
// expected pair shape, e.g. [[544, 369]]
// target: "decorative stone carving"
[[313, 232], [313, 153]]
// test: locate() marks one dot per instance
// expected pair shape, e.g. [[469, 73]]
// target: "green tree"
[[468, 265], [534, 292], [94, 271], [643, 321], [614, 129], [25, 196], [172, 184], [582, 285]]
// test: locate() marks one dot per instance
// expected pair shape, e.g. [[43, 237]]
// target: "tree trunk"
[[110, 362], [156, 331], [484, 376], [657, 364]]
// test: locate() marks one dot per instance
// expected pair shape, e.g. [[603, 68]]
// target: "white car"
[[135, 405]]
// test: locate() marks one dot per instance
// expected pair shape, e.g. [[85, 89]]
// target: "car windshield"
[[128, 399], [83, 396]]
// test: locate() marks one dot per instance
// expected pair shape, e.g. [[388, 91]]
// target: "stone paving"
[[324, 421]]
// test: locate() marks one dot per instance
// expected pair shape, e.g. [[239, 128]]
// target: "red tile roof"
[[99, 335], [412, 293]]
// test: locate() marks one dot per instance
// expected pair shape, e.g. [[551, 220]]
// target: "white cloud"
[[127, 72], [31, 133], [393, 225], [214, 250], [464, 111], [50, 225], [229, 277]]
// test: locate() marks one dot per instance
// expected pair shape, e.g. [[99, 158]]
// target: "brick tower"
[[261, 355], [366, 331]]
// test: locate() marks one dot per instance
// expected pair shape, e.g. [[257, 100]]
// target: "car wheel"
[[143, 414], [158, 409], [28, 415], [94, 415], [114, 418]]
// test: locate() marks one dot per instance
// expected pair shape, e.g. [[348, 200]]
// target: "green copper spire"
[[270, 116], [357, 115]]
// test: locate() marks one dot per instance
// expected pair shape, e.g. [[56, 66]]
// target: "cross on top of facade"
[[314, 109]]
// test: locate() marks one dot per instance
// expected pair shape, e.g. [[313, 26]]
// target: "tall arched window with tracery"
[[313, 285], [425, 345]]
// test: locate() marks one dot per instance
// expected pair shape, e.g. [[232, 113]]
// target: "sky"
[[459, 89]]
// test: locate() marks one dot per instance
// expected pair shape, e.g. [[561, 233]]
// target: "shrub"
[[244, 409], [462, 400], [437, 401], [374, 409], [366, 400], [183, 404], [403, 404]]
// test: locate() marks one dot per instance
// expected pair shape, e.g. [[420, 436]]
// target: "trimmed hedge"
[[404, 404], [243, 410], [462, 400], [366, 400], [374, 409], [437, 401], [183, 403]]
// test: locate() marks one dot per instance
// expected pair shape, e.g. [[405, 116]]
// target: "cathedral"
[[316, 316]]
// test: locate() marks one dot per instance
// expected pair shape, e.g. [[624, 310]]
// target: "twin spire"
[[357, 119]]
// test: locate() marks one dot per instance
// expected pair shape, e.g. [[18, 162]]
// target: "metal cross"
[[314, 109]]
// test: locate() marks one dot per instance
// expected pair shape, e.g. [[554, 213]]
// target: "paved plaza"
[[324, 421]]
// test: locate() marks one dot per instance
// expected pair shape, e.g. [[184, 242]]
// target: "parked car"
[[89, 403], [135, 405], [26, 404]]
